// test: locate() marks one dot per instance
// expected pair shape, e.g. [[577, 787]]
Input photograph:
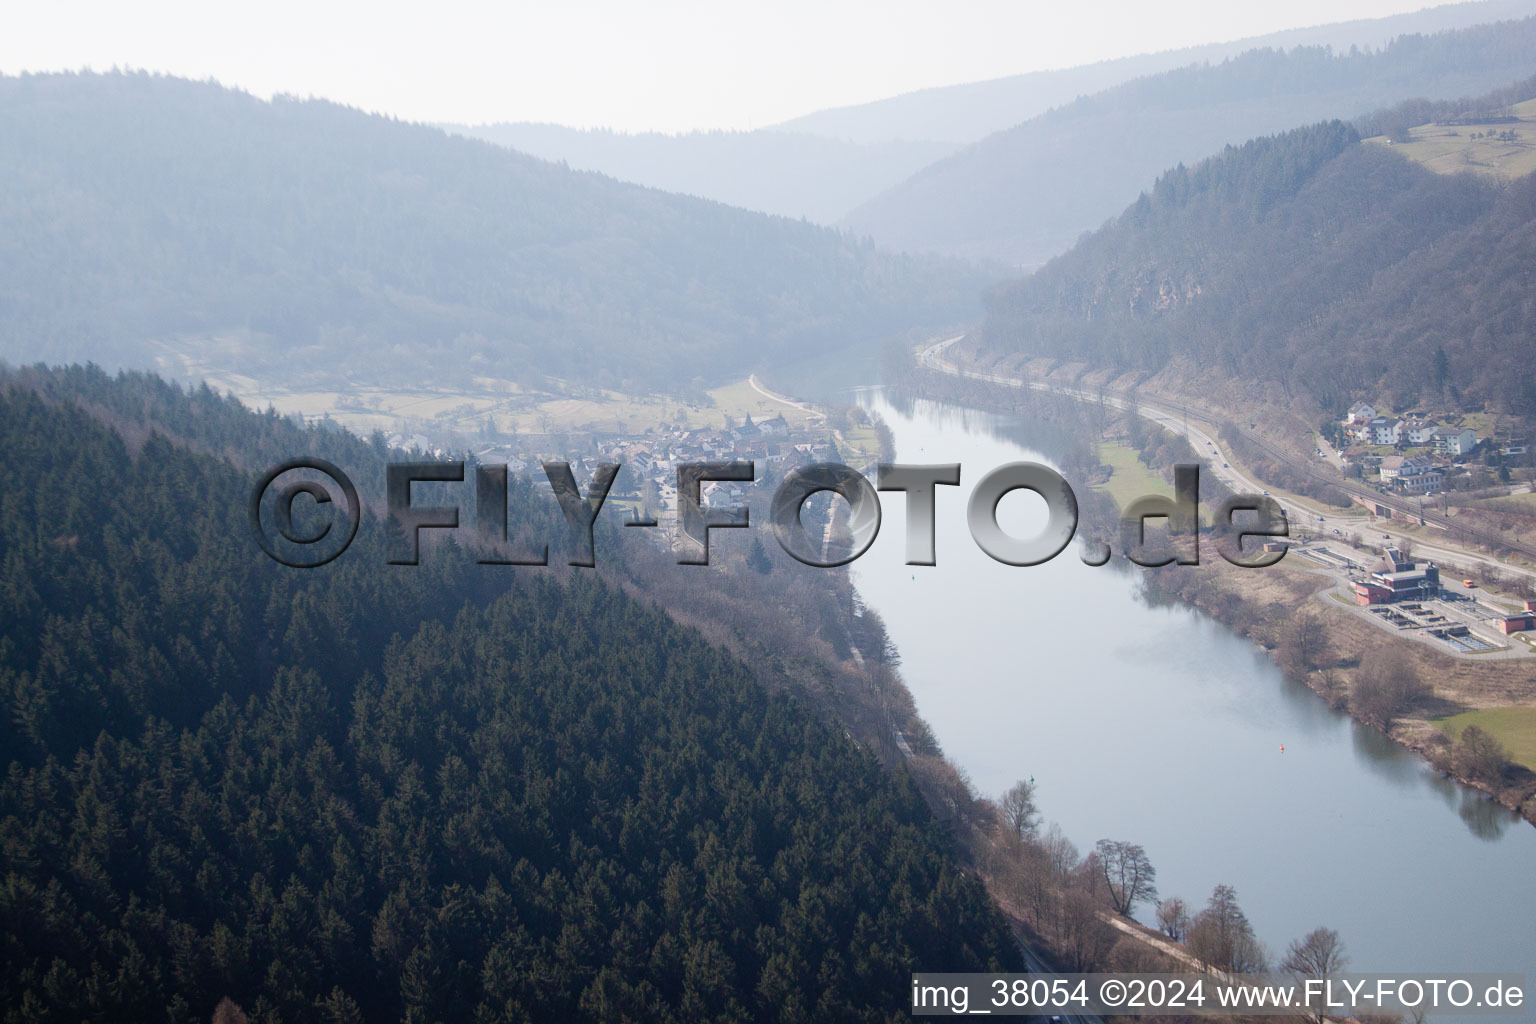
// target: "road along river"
[[1158, 726]]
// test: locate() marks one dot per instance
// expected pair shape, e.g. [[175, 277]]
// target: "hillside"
[[1310, 264], [404, 793], [146, 218], [790, 174], [966, 113], [1500, 146], [1025, 194], [823, 165]]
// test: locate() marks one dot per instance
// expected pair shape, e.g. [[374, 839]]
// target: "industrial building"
[[1397, 578]]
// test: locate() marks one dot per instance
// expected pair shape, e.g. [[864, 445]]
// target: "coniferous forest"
[[441, 792]]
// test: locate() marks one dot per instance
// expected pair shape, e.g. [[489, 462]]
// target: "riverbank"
[[1263, 605], [1155, 724]]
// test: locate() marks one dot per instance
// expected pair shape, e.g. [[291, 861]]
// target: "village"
[[646, 486], [1420, 455]]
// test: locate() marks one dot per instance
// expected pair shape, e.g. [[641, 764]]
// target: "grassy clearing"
[[1129, 478], [1482, 422], [1524, 504], [864, 440], [741, 399], [511, 408], [1514, 727], [1450, 150]]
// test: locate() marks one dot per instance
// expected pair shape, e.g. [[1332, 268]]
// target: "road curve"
[[1174, 416]]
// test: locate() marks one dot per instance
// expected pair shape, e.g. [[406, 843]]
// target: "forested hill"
[[1312, 262], [968, 112], [792, 174], [425, 793], [299, 240], [1026, 194]]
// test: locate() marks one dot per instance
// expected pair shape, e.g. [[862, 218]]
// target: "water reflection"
[[1154, 724], [1485, 818]]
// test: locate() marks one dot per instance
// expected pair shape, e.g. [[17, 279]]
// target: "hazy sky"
[[660, 65]]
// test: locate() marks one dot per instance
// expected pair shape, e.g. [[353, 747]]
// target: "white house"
[[1384, 430], [776, 427], [1421, 480], [1451, 441], [1418, 431], [1361, 412]]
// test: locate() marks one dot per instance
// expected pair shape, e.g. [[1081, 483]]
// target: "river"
[[1159, 726]]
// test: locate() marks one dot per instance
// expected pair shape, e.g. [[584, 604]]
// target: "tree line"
[[1308, 263], [419, 793]]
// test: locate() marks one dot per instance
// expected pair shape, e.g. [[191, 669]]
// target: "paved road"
[[1036, 965], [1303, 514], [752, 380]]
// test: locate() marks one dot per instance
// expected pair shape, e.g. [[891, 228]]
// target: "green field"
[[511, 408], [864, 439], [1449, 149], [1513, 727], [1129, 478]]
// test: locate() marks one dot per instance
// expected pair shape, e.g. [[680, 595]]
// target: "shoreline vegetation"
[[1066, 906], [1072, 910], [1401, 689], [586, 774]]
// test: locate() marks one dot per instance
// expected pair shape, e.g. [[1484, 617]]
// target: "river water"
[[1159, 726]]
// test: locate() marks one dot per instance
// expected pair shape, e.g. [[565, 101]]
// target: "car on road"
[[1223, 465]]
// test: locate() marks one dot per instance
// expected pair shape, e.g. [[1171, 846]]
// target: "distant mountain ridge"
[[791, 174], [1025, 194], [1309, 263], [824, 164], [965, 113], [142, 214]]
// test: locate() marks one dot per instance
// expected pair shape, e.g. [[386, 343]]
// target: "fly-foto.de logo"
[[334, 513]]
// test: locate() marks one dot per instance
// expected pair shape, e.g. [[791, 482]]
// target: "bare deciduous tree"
[[1061, 852], [1020, 815], [1385, 686], [1330, 686], [1083, 938], [1479, 756], [1173, 918], [1128, 873], [1319, 955], [1301, 643], [1221, 937]]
